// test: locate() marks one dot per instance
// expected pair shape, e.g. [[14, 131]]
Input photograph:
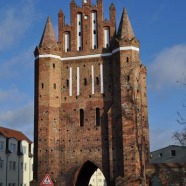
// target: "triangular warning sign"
[[47, 181]]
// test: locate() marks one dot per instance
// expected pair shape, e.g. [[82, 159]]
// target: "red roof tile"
[[9, 133]]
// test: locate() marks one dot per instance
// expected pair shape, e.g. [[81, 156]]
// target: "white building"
[[97, 179], [16, 158]]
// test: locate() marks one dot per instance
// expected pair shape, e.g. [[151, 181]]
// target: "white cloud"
[[15, 19], [21, 119], [17, 111], [167, 67], [15, 65], [12, 95]]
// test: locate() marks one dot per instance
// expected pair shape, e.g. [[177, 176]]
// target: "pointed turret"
[[73, 3], [112, 11], [60, 13], [48, 37], [125, 29], [86, 2], [112, 7], [61, 23]]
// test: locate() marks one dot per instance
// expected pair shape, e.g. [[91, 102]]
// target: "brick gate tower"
[[90, 100]]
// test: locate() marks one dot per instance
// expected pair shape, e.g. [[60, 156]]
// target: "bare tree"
[[180, 136]]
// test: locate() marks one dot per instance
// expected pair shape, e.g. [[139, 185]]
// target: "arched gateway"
[[84, 174], [90, 100]]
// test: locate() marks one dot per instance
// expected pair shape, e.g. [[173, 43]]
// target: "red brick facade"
[[91, 104]]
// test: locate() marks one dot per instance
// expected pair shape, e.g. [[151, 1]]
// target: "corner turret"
[[125, 30], [73, 3], [48, 38], [86, 2], [112, 11], [61, 23]]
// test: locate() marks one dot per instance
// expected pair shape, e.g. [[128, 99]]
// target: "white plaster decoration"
[[78, 81], [79, 32], [107, 37], [94, 30], [93, 79], [87, 56], [101, 76], [70, 81], [67, 41]]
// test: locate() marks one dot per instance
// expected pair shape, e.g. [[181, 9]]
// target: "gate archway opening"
[[88, 175]]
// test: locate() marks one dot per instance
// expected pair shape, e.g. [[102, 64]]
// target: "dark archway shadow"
[[84, 173]]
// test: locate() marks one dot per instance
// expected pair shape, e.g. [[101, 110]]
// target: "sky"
[[158, 25]]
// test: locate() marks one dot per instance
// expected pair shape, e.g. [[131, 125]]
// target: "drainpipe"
[[7, 155], [18, 169]]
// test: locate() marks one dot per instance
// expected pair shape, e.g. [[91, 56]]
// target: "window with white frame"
[[1, 145], [1, 165], [12, 147]]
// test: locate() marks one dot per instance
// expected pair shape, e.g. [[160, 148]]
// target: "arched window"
[[128, 78], [85, 81], [81, 117], [97, 80], [67, 83], [97, 117]]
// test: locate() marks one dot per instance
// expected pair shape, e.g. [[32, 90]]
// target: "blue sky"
[[160, 27]]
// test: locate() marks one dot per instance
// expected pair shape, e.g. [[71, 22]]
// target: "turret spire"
[[112, 7], [48, 38], [125, 29], [73, 3]]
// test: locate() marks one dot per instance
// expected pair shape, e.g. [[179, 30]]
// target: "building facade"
[[97, 179], [90, 100], [16, 158], [169, 154], [168, 166]]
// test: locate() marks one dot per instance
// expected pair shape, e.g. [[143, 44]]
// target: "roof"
[[169, 154], [9, 133], [125, 30], [48, 36], [168, 147]]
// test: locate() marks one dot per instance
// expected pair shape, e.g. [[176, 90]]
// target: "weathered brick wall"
[[168, 174], [119, 146]]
